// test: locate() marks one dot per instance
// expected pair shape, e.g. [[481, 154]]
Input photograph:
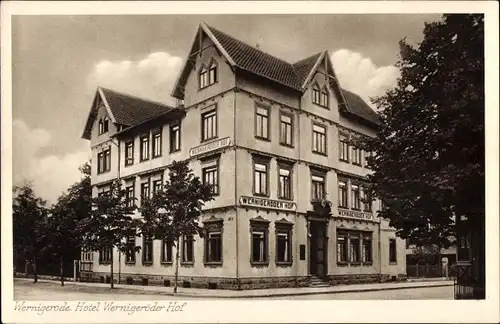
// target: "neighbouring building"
[[273, 138]]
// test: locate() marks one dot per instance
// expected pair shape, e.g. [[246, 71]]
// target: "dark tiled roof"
[[304, 67], [357, 106], [258, 62], [130, 110]]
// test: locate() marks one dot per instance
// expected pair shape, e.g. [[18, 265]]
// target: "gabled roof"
[[296, 76], [124, 109]]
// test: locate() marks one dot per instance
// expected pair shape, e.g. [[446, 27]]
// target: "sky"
[[58, 62]]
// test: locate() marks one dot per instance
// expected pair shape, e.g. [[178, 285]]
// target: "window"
[[324, 98], [283, 242], [103, 125], [144, 147], [316, 95], [318, 187], [367, 249], [356, 155], [213, 240], [286, 130], [175, 138], [367, 200], [342, 194], [210, 175], [319, 139], [156, 143], [147, 250], [259, 228], [212, 73], [129, 153], [368, 156], [203, 77], [344, 148], [187, 249], [130, 254], [144, 191], [105, 254], [392, 251], [356, 199], [104, 161], [260, 178], [209, 125], [166, 251], [130, 196], [157, 185], [354, 248], [341, 247], [285, 182], [262, 122]]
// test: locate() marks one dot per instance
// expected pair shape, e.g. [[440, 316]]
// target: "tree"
[[428, 163], [29, 222], [63, 235], [174, 211], [109, 223]]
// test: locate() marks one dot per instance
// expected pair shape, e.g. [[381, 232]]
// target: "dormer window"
[[103, 125], [316, 95], [324, 97], [320, 95], [208, 76]]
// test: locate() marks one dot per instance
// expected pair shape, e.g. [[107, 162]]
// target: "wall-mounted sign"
[[355, 214], [208, 147], [268, 203]]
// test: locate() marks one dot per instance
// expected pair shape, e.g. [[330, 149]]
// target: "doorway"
[[318, 249]]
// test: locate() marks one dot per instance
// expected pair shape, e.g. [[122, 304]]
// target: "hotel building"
[[273, 139]]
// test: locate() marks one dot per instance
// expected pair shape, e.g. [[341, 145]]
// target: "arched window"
[[106, 125], [212, 73], [324, 97], [203, 77], [316, 94]]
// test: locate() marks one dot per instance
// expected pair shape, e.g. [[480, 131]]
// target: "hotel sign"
[[354, 214], [212, 146], [268, 203]]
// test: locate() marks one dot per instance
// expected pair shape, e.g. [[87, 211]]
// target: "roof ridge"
[[136, 97], [307, 58]]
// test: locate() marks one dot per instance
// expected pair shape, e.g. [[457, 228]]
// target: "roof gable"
[[123, 109]]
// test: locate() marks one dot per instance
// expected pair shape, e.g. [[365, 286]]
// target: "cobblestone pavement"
[[26, 290]]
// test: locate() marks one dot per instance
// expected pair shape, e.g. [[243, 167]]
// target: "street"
[[26, 290]]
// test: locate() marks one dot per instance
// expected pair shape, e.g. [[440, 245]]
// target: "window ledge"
[[213, 264], [209, 139], [320, 105], [156, 157], [393, 263], [285, 198], [355, 264], [355, 163], [284, 264], [260, 195], [259, 264], [166, 263], [368, 263], [343, 160], [143, 160], [105, 262], [130, 263], [103, 172], [342, 264], [187, 264], [287, 145], [320, 153], [147, 263], [175, 151], [263, 138]]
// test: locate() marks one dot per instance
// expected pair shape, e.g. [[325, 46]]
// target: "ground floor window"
[[354, 247], [147, 249], [130, 254], [342, 247], [187, 249], [166, 251], [259, 230], [105, 254], [392, 251], [283, 242], [213, 240], [367, 249]]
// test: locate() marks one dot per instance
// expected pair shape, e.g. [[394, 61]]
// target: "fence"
[[428, 271], [468, 285]]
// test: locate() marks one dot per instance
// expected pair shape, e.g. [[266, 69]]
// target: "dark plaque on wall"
[[302, 252]]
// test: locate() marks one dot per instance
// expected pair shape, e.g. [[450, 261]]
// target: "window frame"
[[130, 199], [130, 255], [289, 168], [355, 201], [283, 141], [209, 167], [316, 94], [259, 225], [324, 94], [317, 174], [129, 145], [178, 137], [367, 237], [147, 185], [323, 135], [267, 124], [213, 226], [344, 147], [345, 190], [203, 77], [344, 260], [356, 155], [108, 252], [357, 251], [264, 162], [142, 156], [146, 240], [393, 247], [166, 244], [187, 239], [214, 66], [154, 145], [211, 113], [284, 227]]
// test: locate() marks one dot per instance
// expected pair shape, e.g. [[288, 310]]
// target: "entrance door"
[[317, 265]]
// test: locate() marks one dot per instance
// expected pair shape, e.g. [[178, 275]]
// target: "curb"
[[285, 294]]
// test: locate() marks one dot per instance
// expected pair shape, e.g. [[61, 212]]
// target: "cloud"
[[152, 77], [359, 74], [51, 174]]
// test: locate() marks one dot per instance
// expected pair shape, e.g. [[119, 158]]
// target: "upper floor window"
[[356, 155], [342, 194], [103, 125], [156, 143], [356, 198], [344, 148], [144, 147], [318, 187], [324, 97], [285, 182], [208, 76], [209, 125], [368, 157], [316, 95], [367, 200], [157, 185], [319, 139], [262, 122], [175, 137], [144, 191], [129, 153], [104, 161], [210, 175], [260, 178], [286, 130], [130, 195]]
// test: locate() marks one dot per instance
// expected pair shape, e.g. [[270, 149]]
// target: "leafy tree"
[[63, 235], [29, 224], [109, 223], [174, 211], [428, 163]]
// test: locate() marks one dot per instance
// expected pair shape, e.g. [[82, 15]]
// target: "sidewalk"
[[279, 292]]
